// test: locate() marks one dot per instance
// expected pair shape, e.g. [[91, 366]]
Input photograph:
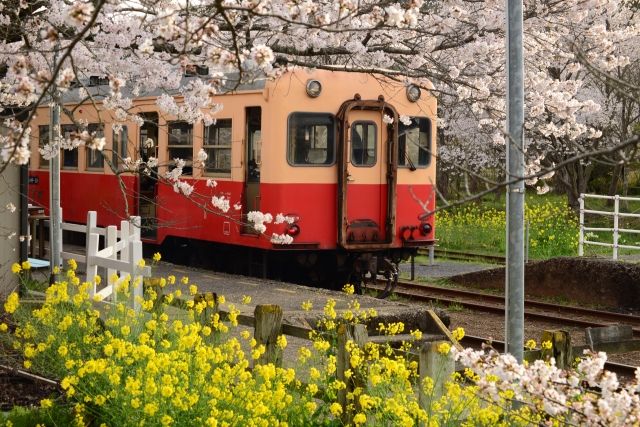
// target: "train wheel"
[[391, 274]]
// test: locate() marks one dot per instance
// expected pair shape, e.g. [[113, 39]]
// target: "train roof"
[[98, 88]]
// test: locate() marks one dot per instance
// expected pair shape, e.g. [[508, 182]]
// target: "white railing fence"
[[120, 256], [616, 220]]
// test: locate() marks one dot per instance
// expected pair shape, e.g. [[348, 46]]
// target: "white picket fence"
[[616, 220], [120, 256]]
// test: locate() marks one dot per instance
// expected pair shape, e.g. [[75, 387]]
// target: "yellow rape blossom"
[[348, 289], [15, 268], [458, 334], [281, 342], [157, 257], [26, 265], [12, 303], [335, 409], [444, 348], [359, 419]]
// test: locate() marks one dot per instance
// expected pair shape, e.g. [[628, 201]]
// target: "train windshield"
[[414, 142], [311, 139]]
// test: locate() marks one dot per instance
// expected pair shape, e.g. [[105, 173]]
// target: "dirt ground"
[[583, 281]]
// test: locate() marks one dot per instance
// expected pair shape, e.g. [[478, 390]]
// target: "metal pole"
[[514, 316], [55, 214], [581, 238], [616, 216]]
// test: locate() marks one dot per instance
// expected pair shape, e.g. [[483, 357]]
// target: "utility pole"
[[55, 212], [514, 316]]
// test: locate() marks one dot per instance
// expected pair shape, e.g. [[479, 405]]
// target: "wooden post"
[[268, 325], [357, 334], [560, 347], [437, 366]]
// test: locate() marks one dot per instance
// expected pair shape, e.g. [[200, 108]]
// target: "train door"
[[148, 181], [367, 174], [253, 156]]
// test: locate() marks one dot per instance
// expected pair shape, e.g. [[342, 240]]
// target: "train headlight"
[[413, 93], [314, 87], [425, 228]]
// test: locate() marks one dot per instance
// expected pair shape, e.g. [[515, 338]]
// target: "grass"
[[480, 227], [455, 307]]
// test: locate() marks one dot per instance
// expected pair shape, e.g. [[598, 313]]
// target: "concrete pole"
[[514, 316], [55, 214]]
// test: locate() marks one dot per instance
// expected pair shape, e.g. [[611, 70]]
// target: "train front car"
[[360, 173]]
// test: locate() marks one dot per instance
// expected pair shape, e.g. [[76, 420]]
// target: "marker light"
[[425, 228], [413, 93], [314, 87]]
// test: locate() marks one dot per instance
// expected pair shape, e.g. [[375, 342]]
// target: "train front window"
[[311, 139], [95, 159], [414, 143], [181, 145], [363, 143], [217, 145]]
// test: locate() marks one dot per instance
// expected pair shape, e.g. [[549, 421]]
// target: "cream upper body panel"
[[288, 95]]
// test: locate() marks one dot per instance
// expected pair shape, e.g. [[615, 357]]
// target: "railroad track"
[[554, 313], [464, 256]]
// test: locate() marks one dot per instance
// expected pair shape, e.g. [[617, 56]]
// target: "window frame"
[[375, 157], [188, 167], [331, 144], [216, 147], [429, 145]]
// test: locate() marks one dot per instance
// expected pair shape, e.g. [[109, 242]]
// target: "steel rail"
[[495, 304], [499, 299], [465, 256]]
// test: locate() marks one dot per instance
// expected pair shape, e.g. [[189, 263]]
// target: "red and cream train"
[[348, 155]]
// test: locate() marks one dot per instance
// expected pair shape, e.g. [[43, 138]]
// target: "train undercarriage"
[[330, 269]]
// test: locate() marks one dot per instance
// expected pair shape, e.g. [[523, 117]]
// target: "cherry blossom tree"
[[458, 45]]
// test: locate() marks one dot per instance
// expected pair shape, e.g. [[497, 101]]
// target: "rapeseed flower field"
[[553, 228], [120, 367]]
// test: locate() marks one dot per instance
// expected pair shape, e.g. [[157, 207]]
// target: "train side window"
[[43, 139], [95, 159], [120, 141], [414, 143], [69, 157], [217, 145], [181, 145], [311, 139], [363, 143]]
